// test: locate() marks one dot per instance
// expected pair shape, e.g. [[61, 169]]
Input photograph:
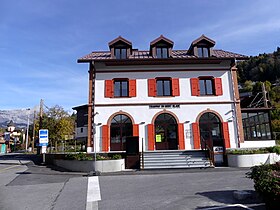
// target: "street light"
[[94, 144], [27, 129]]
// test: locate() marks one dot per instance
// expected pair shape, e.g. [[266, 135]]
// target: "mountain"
[[18, 116]]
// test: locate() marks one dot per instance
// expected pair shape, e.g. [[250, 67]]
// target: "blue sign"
[[43, 144], [43, 136]]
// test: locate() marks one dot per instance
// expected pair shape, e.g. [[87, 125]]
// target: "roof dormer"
[[202, 47], [161, 47], [120, 48]]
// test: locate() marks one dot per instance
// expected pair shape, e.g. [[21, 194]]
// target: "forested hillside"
[[263, 68]]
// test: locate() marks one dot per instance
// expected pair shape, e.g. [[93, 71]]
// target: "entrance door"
[[166, 132], [120, 129], [210, 133]]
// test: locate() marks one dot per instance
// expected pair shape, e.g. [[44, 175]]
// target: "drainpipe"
[[234, 107]]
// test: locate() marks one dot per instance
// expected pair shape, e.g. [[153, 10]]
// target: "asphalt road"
[[33, 186]]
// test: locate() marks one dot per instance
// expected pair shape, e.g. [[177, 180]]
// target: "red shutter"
[[226, 135], [218, 87], [135, 130], [196, 136], [195, 86], [151, 137], [181, 136], [105, 138], [152, 88], [109, 88], [132, 88], [175, 87]]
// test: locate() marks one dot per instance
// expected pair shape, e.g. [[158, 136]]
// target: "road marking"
[[93, 193], [234, 205], [4, 169]]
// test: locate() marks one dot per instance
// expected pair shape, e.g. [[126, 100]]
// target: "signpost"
[[43, 141]]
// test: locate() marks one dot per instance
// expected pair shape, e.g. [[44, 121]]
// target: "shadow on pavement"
[[225, 197]]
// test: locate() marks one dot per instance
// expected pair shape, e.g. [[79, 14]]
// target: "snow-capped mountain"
[[18, 116]]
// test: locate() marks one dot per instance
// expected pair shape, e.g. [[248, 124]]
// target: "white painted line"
[[93, 193], [224, 207]]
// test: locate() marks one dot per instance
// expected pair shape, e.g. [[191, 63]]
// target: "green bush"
[[274, 149], [78, 156], [117, 156], [267, 182]]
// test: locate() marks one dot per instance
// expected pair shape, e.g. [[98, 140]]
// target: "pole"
[[33, 135], [27, 129], [264, 95], [142, 153]]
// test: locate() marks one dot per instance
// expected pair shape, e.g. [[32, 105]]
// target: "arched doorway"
[[210, 131], [120, 128], [166, 132]]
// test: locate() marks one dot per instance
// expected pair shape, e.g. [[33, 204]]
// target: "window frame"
[[204, 49], [121, 80], [121, 55], [206, 78], [161, 48], [163, 86]]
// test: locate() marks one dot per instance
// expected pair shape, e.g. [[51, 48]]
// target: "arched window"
[[120, 128], [166, 130], [210, 130]]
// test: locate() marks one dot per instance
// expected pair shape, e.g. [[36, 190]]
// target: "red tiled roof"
[[178, 54]]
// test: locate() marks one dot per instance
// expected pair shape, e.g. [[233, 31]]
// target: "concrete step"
[[175, 159]]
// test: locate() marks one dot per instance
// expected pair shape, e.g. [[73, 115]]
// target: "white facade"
[[190, 107]]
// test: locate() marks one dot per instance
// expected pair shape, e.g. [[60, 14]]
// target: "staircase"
[[175, 159]]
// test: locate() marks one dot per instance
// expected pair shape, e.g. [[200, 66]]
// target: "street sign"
[[43, 136]]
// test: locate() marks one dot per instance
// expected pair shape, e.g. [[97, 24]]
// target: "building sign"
[[165, 106]]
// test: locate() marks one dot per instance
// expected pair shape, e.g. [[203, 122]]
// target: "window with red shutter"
[[135, 129], [226, 135], [196, 136], [152, 91], [218, 87], [181, 136], [132, 87], [175, 87], [109, 88], [151, 137], [105, 138], [194, 86]]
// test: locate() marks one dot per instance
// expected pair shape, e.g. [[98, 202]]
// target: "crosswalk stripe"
[[93, 193]]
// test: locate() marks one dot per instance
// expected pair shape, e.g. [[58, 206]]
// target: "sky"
[[40, 41]]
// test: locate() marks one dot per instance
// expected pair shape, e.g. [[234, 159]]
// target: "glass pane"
[[200, 52], [159, 53], [202, 87], [268, 133], [263, 131], [164, 52], [117, 88], [205, 52], [118, 53], [124, 88], [123, 53], [209, 87], [266, 117], [159, 87], [167, 88]]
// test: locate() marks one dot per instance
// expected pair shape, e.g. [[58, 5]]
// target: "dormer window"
[[121, 53], [120, 48], [162, 52], [161, 47], [203, 52], [202, 47]]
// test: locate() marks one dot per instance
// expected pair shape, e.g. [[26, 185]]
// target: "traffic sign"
[[44, 136]]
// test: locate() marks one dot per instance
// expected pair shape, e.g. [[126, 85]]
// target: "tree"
[[59, 123]]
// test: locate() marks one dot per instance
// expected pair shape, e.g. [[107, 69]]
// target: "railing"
[[210, 152]]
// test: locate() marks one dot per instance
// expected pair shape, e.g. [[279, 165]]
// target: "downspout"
[[235, 118]]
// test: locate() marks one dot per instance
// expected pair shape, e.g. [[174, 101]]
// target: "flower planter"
[[249, 160], [88, 165]]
